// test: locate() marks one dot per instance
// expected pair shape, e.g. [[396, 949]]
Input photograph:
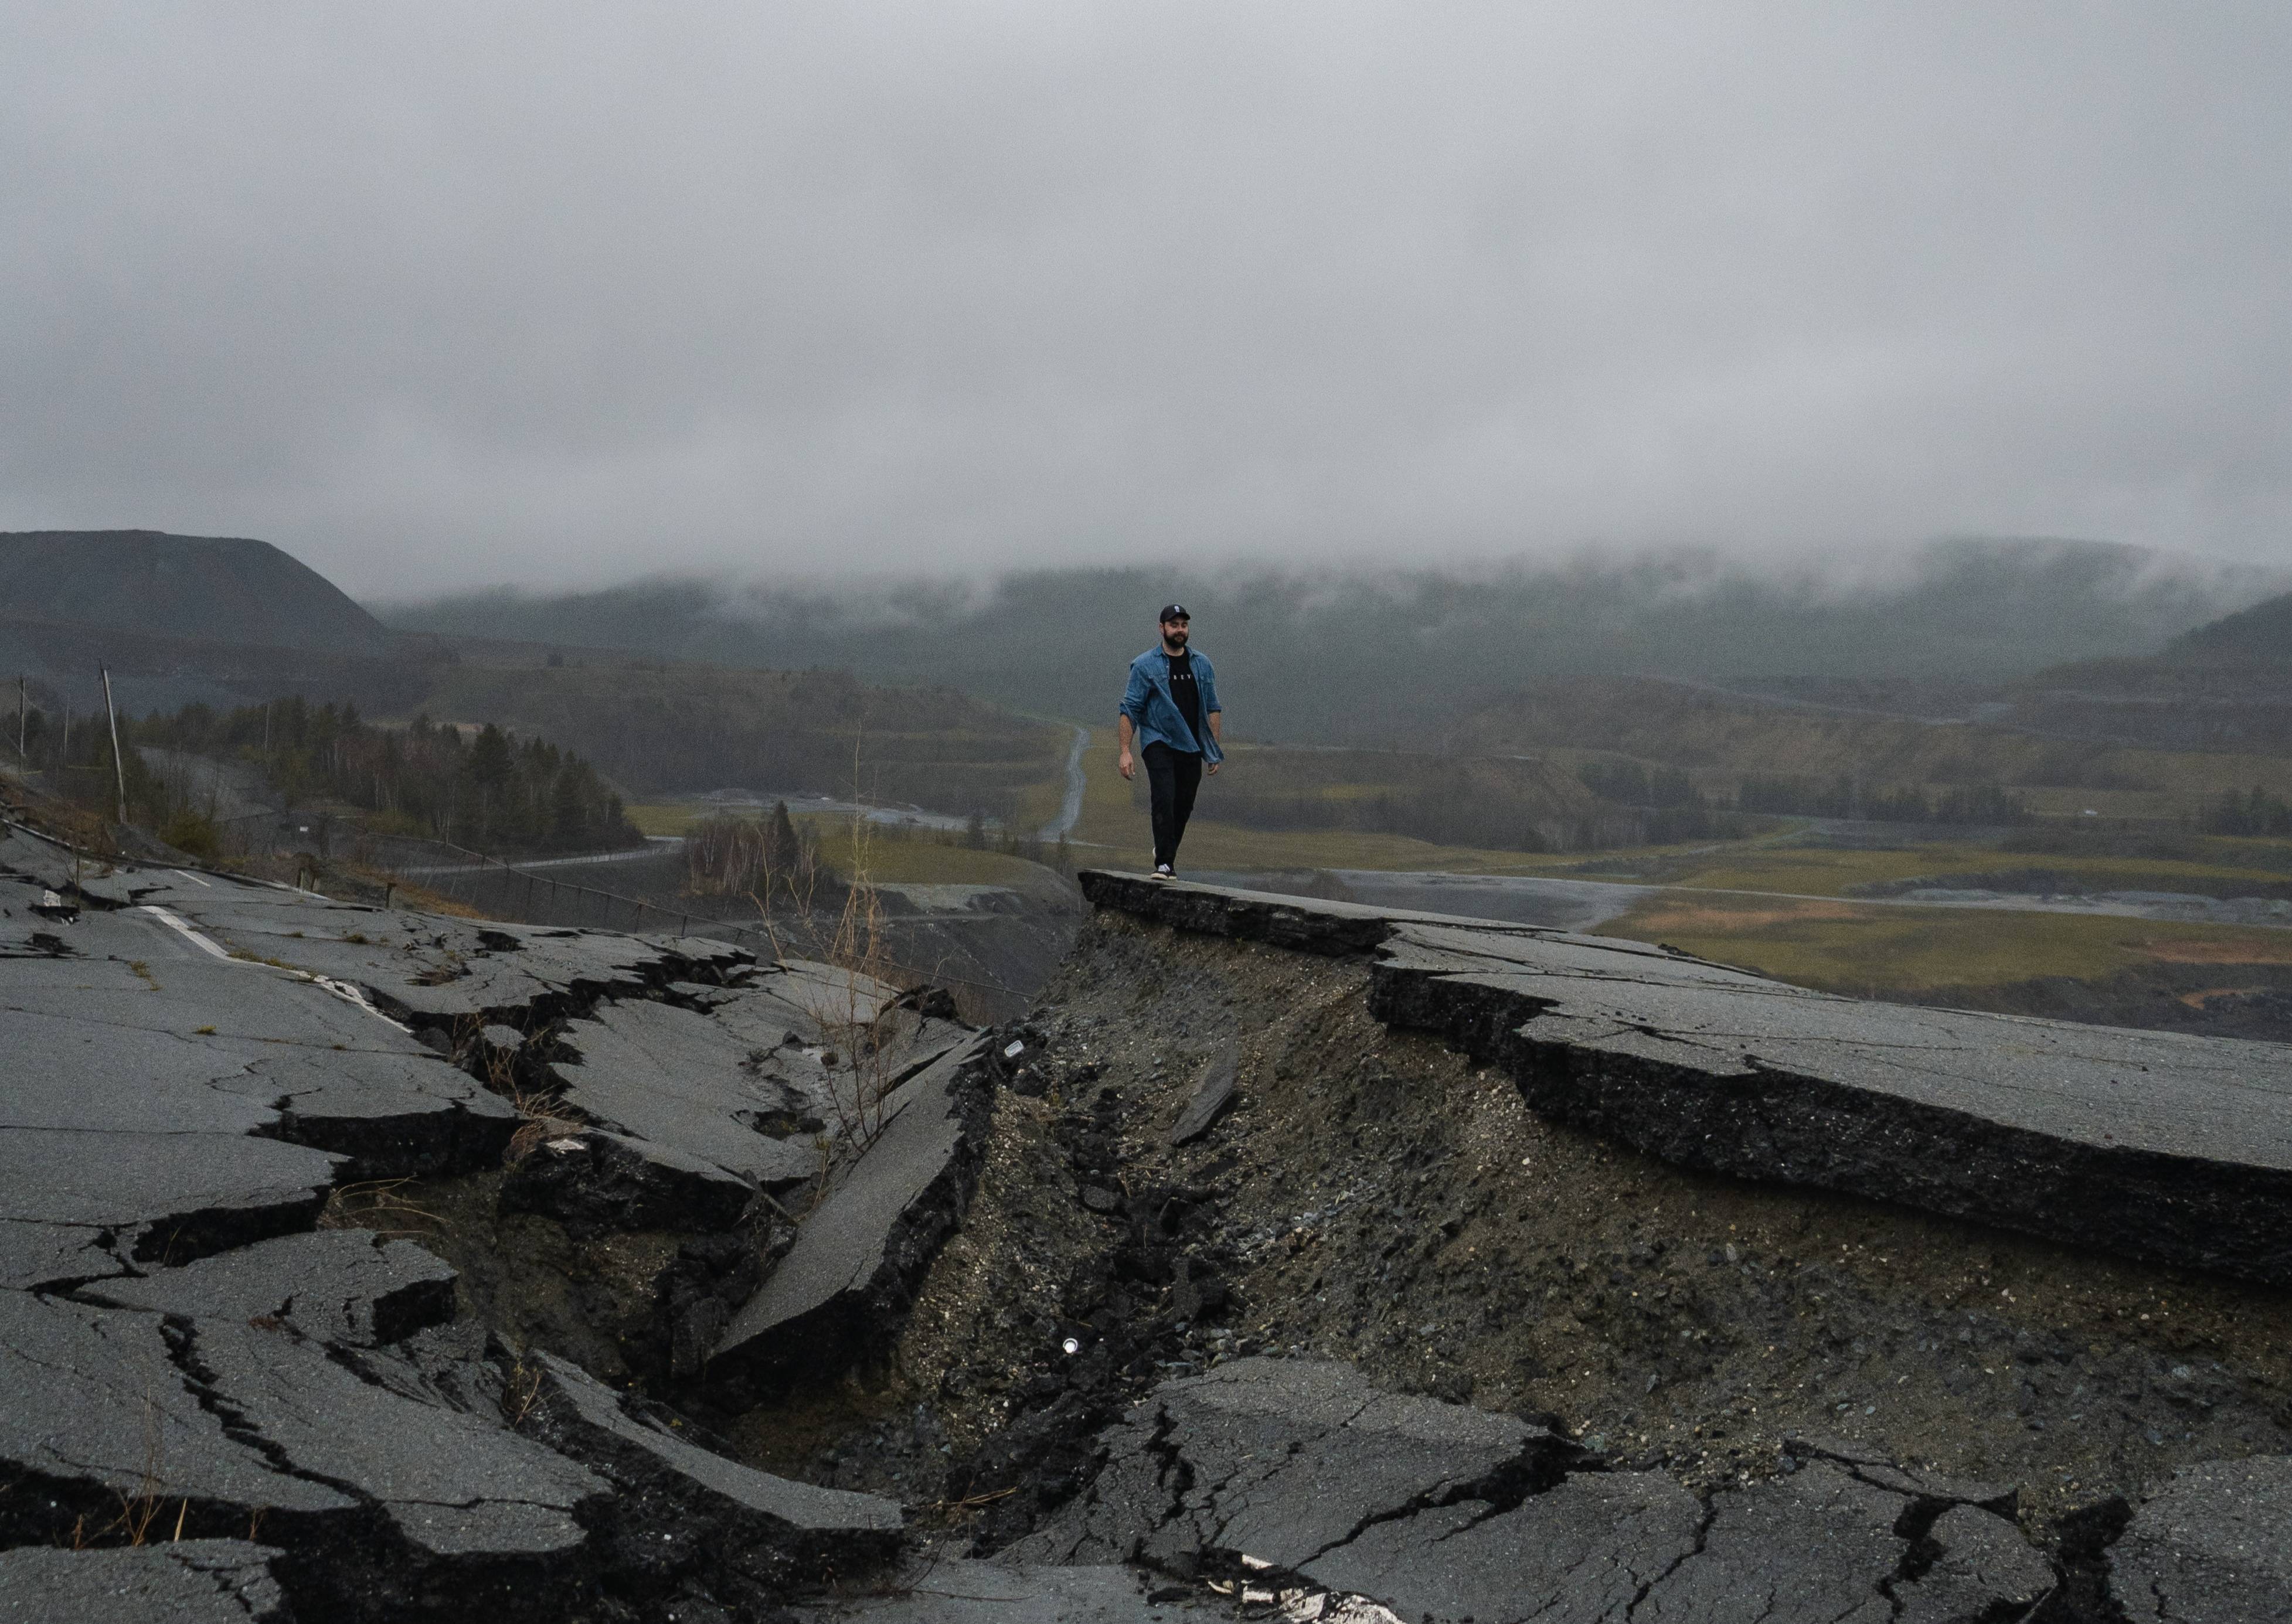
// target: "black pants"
[[1172, 778]]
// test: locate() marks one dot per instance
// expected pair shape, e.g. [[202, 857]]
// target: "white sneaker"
[[1162, 871]]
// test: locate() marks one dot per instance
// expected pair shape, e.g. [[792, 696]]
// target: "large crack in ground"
[[1367, 1333], [1379, 1198]]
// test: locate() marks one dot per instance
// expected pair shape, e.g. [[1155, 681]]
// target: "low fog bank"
[[1355, 656]]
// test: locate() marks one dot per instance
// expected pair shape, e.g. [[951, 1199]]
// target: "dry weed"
[[376, 1204], [524, 1390]]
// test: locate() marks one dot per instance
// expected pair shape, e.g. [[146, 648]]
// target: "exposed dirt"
[[1376, 1197]]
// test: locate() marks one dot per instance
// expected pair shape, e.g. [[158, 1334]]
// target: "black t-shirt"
[[1187, 691]]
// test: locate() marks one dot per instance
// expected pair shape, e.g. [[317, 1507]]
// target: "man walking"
[[1170, 709]]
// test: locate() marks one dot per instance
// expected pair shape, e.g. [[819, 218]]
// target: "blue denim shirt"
[[1155, 715]]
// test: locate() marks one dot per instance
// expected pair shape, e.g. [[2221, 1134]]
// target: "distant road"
[[656, 845], [1071, 808]]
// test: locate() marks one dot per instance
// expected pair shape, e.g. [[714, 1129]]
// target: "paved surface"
[[2214, 1542], [193, 1065], [188, 1581], [166, 1099], [1300, 1471], [655, 845], [249, 1417], [1077, 783], [2154, 1145]]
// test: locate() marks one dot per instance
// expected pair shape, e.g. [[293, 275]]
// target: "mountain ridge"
[[2260, 635], [222, 590], [1294, 648]]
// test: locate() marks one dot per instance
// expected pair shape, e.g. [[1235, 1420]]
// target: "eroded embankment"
[[1203, 1282], [1375, 1197]]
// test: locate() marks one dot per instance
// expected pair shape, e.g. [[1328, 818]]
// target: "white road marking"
[[348, 992], [194, 879], [204, 943], [351, 993]]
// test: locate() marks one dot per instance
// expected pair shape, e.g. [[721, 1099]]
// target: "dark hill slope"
[[201, 588], [2260, 635]]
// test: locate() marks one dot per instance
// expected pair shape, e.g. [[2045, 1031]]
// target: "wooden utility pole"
[[118, 769]]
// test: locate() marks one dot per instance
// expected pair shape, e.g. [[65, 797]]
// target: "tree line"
[[1669, 789], [483, 789], [2258, 813]]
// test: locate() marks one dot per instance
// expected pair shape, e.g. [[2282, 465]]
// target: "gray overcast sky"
[[436, 295]]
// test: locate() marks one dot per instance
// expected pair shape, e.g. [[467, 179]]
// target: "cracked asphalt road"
[[363, 1265]]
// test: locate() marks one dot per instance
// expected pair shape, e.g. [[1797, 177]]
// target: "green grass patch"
[[1823, 871], [1866, 949], [1114, 831], [666, 816], [896, 860]]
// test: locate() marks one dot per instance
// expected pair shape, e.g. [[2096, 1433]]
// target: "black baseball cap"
[[1174, 611]]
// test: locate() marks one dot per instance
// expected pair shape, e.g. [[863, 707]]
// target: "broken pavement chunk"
[[1302, 1470], [1338, 928], [699, 1511], [97, 1402], [675, 1080], [1212, 1095], [858, 1258], [337, 1286], [454, 1484], [1586, 1549], [386, 1495], [2214, 1542], [1982, 1567], [1283, 1460], [392, 1115], [167, 1196], [1810, 1548], [595, 1182], [187, 1581], [44, 1254]]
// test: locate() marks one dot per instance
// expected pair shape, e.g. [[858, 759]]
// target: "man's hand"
[[1213, 769], [1130, 766]]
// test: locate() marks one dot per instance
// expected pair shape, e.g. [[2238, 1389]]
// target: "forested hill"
[[2260, 635], [193, 588], [1337, 657]]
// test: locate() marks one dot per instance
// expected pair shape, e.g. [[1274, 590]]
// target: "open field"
[[1719, 738], [1818, 924], [1877, 950], [1787, 855], [1113, 830], [892, 858], [2220, 867]]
